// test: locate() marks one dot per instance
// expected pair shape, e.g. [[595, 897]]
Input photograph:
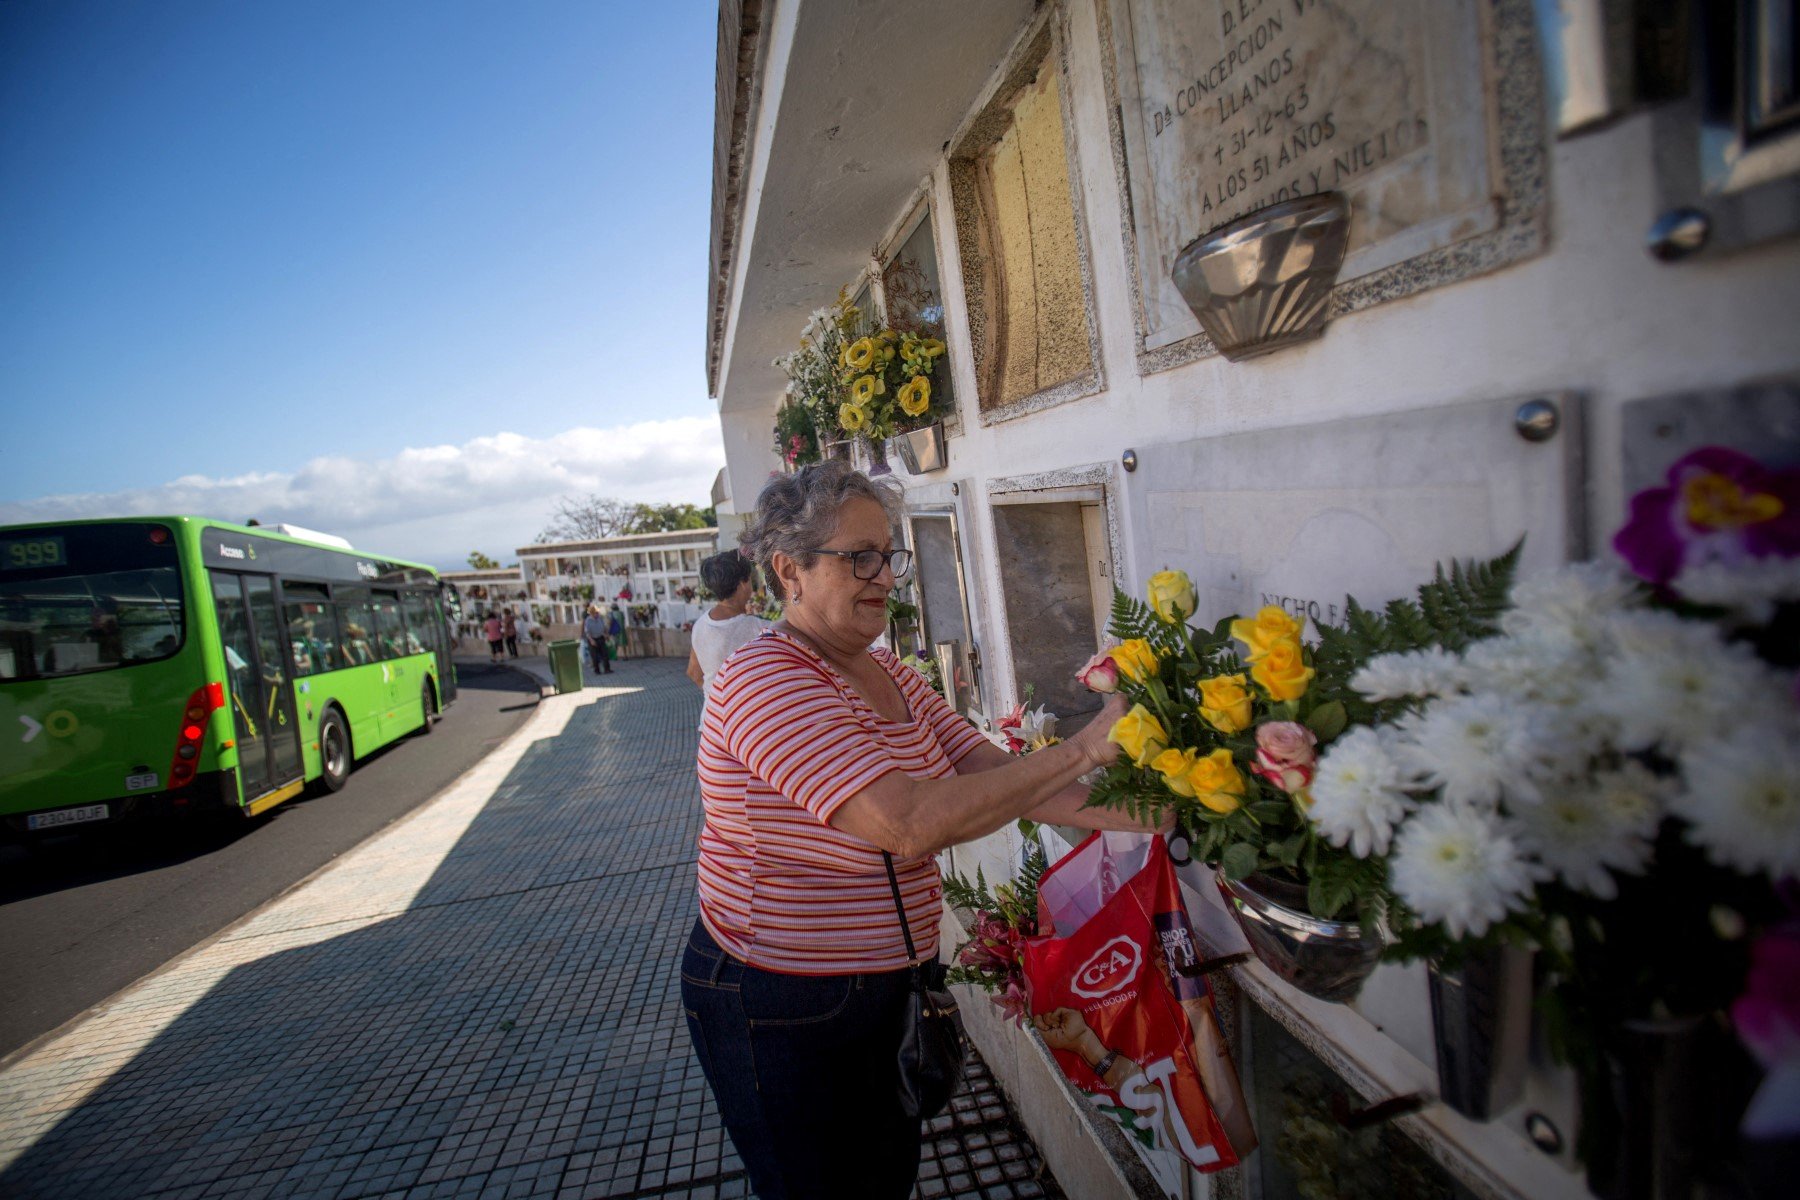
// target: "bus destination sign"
[[23, 554]]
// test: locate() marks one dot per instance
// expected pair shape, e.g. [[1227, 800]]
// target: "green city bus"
[[163, 665]]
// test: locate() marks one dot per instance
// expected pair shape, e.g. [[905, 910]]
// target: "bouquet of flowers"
[[1003, 917], [885, 377], [810, 405], [1026, 729]]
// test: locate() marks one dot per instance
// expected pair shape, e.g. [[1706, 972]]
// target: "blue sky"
[[248, 246]]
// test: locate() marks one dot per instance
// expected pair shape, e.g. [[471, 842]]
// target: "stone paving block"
[[478, 1001]]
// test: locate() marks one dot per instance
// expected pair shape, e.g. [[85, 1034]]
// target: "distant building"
[[638, 569]]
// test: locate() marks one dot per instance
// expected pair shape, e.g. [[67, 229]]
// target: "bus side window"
[[312, 627], [356, 621], [418, 622], [390, 630]]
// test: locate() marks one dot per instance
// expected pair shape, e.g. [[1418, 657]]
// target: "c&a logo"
[[1112, 967]]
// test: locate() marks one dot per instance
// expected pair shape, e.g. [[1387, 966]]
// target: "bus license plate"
[[66, 816]]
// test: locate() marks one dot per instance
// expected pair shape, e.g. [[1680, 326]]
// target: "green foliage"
[[796, 435], [481, 562], [1452, 610], [1132, 618]]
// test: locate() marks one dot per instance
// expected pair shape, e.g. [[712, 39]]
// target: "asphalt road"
[[80, 918]]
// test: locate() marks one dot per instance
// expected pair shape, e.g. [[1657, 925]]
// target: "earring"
[[796, 595]]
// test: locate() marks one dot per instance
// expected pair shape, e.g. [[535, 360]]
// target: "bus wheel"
[[334, 751], [428, 708]]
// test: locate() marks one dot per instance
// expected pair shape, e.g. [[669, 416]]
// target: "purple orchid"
[[1767, 1017], [1718, 506]]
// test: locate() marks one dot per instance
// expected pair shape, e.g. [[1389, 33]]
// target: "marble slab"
[[1301, 517], [1759, 419], [1228, 106]]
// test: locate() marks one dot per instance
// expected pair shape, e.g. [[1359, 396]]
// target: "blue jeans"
[[804, 1069]]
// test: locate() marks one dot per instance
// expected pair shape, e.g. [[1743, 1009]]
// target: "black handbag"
[[931, 1042]]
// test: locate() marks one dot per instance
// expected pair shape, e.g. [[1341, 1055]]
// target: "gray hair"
[[796, 513]]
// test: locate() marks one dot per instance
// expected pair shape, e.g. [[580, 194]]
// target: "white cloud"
[[435, 503]]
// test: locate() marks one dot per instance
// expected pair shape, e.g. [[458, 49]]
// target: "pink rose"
[[1099, 674], [1286, 754]]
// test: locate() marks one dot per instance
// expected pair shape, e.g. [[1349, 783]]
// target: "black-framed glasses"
[[867, 564]]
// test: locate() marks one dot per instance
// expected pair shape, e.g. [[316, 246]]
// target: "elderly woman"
[[817, 754]]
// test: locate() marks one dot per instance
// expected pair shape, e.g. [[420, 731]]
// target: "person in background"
[[495, 633], [615, 629], [509, 629], [594, 634], [728, 625]]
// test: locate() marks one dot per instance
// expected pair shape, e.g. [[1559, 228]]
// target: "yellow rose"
[[852, 418], [858, 355], [1225, 703], [864, 389], [1136, 660], [1172, 596], [1174, 766], [1269, 626], [915, 397], [1139, 734], [930, 347], [1216, 782], [1283, 672]]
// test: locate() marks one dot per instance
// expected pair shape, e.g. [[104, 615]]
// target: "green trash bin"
[[565, 665]]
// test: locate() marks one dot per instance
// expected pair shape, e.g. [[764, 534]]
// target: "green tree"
[[481, 562]]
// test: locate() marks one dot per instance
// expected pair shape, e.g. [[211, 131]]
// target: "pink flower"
[[993, 945], [1718, 506], [1099, 674], [1009, 725], [1012, 1002], [1286, 754], [1767, 1017]]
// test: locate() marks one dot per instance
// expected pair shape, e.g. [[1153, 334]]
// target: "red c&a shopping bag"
[[1127, 1028]]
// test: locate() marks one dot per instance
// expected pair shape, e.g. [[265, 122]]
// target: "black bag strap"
[[912, 955]]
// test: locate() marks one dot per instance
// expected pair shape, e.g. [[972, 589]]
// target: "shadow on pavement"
[[510, 1024]]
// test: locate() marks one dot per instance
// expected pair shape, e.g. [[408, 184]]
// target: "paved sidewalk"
[[479, 1001]]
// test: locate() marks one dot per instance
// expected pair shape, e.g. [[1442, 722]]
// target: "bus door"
[[257, 678], [425, 623]]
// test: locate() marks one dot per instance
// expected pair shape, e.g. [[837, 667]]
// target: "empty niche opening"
[[1056, 580]]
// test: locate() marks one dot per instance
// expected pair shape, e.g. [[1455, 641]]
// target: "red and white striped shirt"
[[785, 741]]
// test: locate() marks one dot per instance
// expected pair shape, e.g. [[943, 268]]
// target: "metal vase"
[[921, 450], [1661, 1120], [1481, 1027], [1263, 282], [1328, 960]]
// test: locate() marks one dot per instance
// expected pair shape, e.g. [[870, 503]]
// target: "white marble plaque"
[[1232, 105], [1301, 517]]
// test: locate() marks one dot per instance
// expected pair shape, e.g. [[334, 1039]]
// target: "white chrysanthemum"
[[1742, 799], [1527, 667], [1670, 682], [1359, 793], [1432, 671], [1750, 587], [1454, 865], [1593, 827], [1482, 748], [1571, 606]]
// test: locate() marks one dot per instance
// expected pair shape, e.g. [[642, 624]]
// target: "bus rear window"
[[94, 598], [92, 622]]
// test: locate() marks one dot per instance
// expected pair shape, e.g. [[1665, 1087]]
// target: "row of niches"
[[1231, 115]]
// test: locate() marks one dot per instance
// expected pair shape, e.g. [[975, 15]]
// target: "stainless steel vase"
[[1325, 959], [922, 450], [1264, 281], [1481, 1024]]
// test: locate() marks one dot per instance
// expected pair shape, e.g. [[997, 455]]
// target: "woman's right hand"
[[1092, 738]]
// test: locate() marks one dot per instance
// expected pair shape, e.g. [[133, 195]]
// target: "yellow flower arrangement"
[[866, 389], [853, 418]]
